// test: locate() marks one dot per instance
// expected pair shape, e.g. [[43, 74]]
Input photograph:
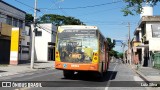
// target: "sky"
[[105, 14]]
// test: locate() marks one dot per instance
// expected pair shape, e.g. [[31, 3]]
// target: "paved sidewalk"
[[6, 70], [148, 73]]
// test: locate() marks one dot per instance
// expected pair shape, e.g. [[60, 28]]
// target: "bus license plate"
[[74, 65]]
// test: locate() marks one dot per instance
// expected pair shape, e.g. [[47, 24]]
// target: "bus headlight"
[[57, 56], [95, 58]]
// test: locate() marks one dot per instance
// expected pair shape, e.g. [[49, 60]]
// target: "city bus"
[[81, 48]]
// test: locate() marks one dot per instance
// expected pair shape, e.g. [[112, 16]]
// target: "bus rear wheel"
[[68, 73]]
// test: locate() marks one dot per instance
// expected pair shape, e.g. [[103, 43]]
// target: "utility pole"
[[124, 57], [129, 51], [33, 35]]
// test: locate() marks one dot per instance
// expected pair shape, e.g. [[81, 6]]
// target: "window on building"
[[1, 17], [28, 43], [137, 38], [15, 22], [20, 24], [38, 33], [9, 20]]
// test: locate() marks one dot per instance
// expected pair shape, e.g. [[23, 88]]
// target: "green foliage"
[[59, 20], [28, 19], [111, 45], [120, 55], [113, 53], [135, 6]]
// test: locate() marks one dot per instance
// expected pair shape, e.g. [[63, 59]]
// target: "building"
[[25, 46], [147, 35], [45, 39], [136, 51], [10, 17]]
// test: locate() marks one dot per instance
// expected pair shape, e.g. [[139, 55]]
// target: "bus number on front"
[[74, 65]]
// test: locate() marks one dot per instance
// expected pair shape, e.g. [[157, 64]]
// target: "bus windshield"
[[77, 46]]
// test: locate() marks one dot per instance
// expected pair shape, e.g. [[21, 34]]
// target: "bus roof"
[[77, 27]]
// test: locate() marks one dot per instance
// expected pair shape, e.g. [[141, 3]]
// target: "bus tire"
[[68, 73]]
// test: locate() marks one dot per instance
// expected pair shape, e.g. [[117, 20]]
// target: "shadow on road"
[[88, 79], [93, 77]]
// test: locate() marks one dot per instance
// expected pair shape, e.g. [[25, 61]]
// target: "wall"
[[6, 29], [149, 29], [41, 42], [154, 44]]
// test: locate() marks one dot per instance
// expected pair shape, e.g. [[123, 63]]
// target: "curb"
[[141, 75]]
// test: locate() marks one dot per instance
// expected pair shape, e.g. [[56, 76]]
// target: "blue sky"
[[106, 14]]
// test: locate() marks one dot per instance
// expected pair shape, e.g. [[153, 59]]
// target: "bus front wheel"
[[68, 73]]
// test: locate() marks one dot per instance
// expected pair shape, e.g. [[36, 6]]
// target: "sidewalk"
[[6, 70], [147, 73]]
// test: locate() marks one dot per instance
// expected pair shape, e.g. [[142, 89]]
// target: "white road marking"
[[106, 88]]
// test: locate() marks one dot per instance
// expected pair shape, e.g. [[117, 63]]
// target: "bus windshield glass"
[[77, 45]]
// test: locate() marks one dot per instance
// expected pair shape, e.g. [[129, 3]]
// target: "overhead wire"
[[59, 8], [24, 4], [46, 29], [91, 6], [38, 10]]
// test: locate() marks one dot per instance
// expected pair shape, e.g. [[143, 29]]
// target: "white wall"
[[154, 43], [41, 42], [149, 29]]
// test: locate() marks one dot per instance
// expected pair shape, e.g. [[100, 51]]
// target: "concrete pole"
[[129, 50], [33, 36], [123, 46]]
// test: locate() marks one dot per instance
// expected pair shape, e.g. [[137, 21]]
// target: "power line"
[[46, 29], [98, 12], [91, 6], [59, 8], [28, 6], [24, 4]]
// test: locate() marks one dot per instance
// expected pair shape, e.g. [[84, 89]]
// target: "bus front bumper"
[[76, 66]]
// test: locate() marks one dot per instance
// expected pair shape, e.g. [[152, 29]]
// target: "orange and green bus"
[[80, 48]]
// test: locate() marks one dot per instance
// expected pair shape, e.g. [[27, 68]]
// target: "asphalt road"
[[118, 77]]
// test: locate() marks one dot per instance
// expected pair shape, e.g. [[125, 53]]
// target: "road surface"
[[118, 77]]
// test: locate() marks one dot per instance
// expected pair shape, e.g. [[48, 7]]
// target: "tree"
[[59, 20], [111, 45], [135, 6], [120, 55], [28, 19], [113, 53]]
